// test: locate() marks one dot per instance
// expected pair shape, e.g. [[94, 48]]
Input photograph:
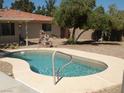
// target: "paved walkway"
[[9, 85]]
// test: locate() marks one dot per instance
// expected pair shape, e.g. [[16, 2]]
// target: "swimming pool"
[[41, 62], [111, 76]]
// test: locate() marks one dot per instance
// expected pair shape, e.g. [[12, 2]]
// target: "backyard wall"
[[85, 36]]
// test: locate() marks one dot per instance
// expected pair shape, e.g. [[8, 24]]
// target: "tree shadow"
[[92, 42], [108, 43], [32, 43], [29, 43]]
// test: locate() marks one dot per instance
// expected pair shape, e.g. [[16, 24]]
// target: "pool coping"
[[44, 84]]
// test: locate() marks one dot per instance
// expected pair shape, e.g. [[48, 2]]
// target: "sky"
[[104, 3]]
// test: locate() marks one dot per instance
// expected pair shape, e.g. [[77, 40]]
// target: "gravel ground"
[[107, 48], [112, 50], [114, 89]]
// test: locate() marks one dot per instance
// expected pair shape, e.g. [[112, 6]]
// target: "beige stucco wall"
[[55, 31], [85, 36], [33, 31]]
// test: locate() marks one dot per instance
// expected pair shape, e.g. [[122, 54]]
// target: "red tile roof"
[[16, 15]]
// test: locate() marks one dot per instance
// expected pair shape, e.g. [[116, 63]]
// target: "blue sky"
[[104, 3]]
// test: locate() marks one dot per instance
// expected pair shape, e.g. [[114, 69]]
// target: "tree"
[[50, 7], [113, 10], [99, 10], [117, 19], [117, 23], [99, 21], [47, 9], [23, 5], [1, 4], [40, 10], [74, 14]]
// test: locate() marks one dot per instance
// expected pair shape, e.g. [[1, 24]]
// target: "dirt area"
[[114, 89], [111, 50], [107, 48], [6, 68]]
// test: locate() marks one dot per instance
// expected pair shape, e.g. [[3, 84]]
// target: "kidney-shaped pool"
[[41, 62]]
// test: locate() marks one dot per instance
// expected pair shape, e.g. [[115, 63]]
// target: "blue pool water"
[[41, 62]]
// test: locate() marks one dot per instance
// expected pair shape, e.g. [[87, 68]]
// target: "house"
[[15, 23]]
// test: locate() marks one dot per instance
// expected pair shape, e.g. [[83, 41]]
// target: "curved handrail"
[[53, 64], [60, 69]]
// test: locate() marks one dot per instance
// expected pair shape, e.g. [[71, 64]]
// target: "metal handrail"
[[53, 64], [60, 69]]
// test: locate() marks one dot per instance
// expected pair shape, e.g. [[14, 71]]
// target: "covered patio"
[[15, 37]]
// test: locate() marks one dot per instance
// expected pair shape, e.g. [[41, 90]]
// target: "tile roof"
[[16, 15]]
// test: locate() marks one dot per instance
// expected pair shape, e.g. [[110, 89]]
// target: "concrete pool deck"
[[9, 85], [112, 76]]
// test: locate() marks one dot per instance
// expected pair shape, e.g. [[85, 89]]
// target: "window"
[[46, 27], [7, 29]]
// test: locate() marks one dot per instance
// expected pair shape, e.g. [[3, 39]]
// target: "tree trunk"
[[73, 35], [80, 35]]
